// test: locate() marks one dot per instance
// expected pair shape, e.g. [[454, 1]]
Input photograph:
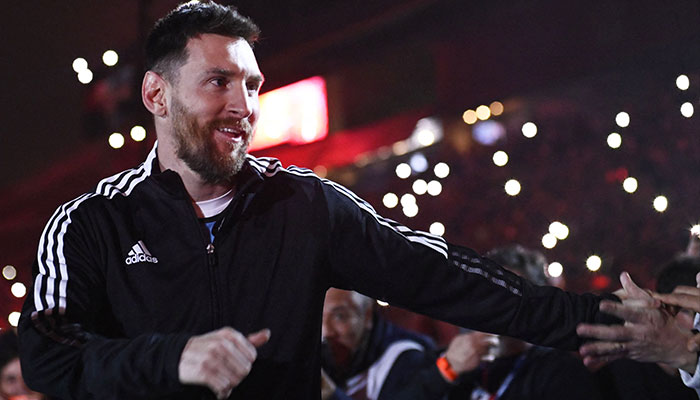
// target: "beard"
[[198, 148]]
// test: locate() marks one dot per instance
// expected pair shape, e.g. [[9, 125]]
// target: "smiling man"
[[202, 272]]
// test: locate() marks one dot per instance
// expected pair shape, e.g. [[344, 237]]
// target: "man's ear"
[[153, 94]]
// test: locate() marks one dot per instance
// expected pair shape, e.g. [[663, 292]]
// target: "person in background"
[[484, 366], [627, 379], [367, 357], [12, 385]]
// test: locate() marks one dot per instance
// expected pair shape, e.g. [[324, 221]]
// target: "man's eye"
[[218, 82], [253, 87]]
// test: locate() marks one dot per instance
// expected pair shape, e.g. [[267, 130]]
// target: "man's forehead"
[[218, 49]]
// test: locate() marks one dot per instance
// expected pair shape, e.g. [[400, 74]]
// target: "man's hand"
[[466, 350], [220, 360], [687, 297], [650, 333]]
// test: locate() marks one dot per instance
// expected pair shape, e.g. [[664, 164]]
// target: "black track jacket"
[[125, 276]]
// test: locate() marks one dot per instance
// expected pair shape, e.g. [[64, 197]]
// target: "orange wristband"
[[445, 369]]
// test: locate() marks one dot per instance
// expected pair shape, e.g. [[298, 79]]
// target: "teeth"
[[229, 130]]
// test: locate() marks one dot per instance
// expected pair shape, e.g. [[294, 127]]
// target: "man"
[[501, 367], [204, 269], [366, 357]]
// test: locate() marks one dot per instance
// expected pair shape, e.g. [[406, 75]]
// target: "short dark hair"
[[680, 271], [8, 347], [167, 42], [528, 263]]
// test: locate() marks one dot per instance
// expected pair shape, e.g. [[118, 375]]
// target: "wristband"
[[445, 369]]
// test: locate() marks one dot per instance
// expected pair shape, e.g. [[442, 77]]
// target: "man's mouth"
[[235, 133]]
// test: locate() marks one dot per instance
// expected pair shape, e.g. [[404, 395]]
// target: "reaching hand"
[[220, 360], [650, 333], [466, 350]]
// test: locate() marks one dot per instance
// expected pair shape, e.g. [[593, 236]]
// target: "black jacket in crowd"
[[125, 276]]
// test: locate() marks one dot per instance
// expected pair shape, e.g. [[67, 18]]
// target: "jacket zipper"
[[212, 263]]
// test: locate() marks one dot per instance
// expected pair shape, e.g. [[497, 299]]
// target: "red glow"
[[600, 282], [296, 113]]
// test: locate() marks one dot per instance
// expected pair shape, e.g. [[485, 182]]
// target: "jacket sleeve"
[[69, 346], [421, 272]]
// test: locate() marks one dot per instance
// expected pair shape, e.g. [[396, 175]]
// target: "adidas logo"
[[139, 253]]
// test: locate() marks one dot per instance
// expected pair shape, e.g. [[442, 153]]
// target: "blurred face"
[[11, 382], [344, 324], [214, 106]]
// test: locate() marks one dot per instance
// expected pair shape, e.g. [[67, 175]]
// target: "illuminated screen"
[[296, 113]]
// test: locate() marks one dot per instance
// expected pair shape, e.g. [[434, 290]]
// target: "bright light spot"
[[622, 119], [593, 263], [513, 187], [614, 140], [555, 269], [85, 76], [420, 187], [408, 199], [13, 318], [630, 185], [687, 110], [436, 228], [496, 108], [660, 203], [296, 114], [418, 163], [110, 58], [559, 230], [382, 303], [390, 200], [425, 137], [403, 170], [9, 272], [434, 188], [469, 117], [500, 158], [483, 113], [529, 130], [695, 230], [116, 140], [18, 289], [549, 241], [138, 133], [410, 210], [441, 170], [80, 64], [682, 82]]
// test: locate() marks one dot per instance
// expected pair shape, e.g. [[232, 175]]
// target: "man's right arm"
[[71, 346]]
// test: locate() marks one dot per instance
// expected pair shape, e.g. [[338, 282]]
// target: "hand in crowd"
[[466, 350], [220, 360], [650, 332]]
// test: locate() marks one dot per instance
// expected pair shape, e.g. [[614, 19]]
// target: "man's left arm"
[[421, 272]]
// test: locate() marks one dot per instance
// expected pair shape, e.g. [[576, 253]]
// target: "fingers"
[[605, 332], [632, 290], [259, 338], [607, 350], [690, 301], [220, 360], [631, 311]]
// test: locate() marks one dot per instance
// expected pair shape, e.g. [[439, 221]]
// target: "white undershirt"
[[212, 207]]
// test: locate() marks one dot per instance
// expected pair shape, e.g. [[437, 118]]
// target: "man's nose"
[[239, 102]]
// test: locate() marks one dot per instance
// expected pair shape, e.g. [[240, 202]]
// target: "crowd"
[[207, 272]]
